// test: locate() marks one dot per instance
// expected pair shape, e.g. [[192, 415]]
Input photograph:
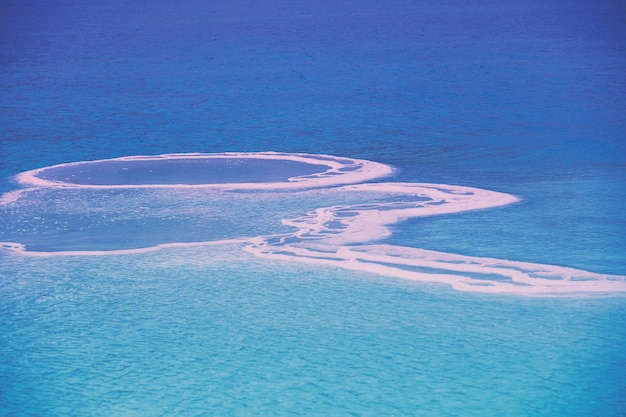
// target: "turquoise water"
[[209, 331], [524, 98]]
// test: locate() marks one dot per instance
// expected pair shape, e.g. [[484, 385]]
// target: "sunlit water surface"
[[288, 314]]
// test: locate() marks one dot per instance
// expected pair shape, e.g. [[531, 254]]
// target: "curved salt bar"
[[463, 273], [367, 223], [340, 235], [243, 170], [330, 236]]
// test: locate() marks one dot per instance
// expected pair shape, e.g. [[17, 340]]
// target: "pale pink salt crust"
[[321, 244], [341, 236], [340, 171], [458, 271]]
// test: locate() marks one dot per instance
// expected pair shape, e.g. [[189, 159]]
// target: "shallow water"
[[304, 342], [523, 98], [207, 335]]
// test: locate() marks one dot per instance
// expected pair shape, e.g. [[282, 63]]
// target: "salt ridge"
[[340, 171], [341, 236]]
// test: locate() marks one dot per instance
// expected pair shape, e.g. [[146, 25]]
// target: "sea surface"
[[323, 208]]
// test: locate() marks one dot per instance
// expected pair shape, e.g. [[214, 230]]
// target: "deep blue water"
[[524, 97]]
